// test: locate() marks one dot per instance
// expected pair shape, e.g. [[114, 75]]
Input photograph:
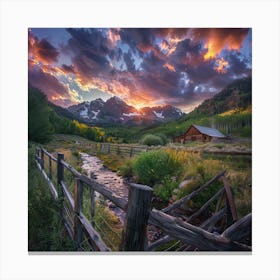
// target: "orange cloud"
[[220, 38], [169, 67], [221, 65]]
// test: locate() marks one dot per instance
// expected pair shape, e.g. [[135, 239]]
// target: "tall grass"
[[46, 231], [165, 169], [107, 224]]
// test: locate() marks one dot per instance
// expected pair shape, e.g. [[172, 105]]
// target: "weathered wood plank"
[[210, 223], [68, 214], [160, 242], [69, 228], [60, 178], [42, 159], [230, 198], [195, 236], [71, 169], [139, 205], [78, 205], [203, 207], [60, 170], [50, 168], [193, 194], [49, 155], [240, 229], [92, 202], [50, 184], [207, 225], [99, 245], [68, 195]]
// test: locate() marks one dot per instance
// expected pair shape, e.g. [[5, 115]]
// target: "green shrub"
[[165, 189], [151, 140], [246, 132], [126, 169], [163, 138], [154, 167]]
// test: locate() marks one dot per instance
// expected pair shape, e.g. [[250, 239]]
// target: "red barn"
[[199, 133]]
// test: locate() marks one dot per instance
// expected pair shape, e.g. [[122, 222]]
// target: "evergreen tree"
[[39, 127]]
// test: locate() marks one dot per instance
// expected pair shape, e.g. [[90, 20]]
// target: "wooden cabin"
[[199, 133]]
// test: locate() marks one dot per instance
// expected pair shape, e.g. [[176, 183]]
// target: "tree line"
[[43, 122]]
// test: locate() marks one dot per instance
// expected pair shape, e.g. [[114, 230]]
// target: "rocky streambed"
[[117, 184], [111, 180]]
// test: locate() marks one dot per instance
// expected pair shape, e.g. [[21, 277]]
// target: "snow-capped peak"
[[159, 115]]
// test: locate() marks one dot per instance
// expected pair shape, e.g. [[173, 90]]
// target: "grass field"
[[196, 167]]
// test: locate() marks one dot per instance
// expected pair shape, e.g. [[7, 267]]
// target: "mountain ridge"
[[117, 111]]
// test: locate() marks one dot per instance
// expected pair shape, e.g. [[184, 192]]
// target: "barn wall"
[[192, 135], [193, 131]]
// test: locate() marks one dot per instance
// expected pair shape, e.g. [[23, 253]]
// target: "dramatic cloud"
[[41, 50], [217, 39], [144, 66]]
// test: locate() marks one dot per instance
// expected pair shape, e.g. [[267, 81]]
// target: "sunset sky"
[[145, 67]]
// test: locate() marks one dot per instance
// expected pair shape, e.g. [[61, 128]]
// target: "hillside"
[[45, 119], [237, 95], [62, 112]]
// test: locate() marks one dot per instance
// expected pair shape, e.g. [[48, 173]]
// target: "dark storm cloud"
[[130, 62], [41, 50], [47, 51], [68, 68], [140, 38], [47, 83], [238, 64]]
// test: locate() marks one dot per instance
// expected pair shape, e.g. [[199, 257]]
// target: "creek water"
[[111, 180]]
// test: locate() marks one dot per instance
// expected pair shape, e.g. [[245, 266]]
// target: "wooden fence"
[[121, 149], [180, 230], [134, 150]]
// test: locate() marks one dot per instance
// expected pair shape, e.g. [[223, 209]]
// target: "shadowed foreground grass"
[[46, 231]]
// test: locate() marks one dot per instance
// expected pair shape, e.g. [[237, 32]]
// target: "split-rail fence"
[[189, 235]]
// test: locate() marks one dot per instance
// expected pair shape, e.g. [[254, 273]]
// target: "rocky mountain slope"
[[116, 111]]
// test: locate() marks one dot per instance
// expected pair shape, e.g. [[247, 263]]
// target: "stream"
[[116, 184], [108, 178]]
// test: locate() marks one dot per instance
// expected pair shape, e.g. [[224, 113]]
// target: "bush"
[[165, 190], [155, 167], [151, 140], [163, 138], [126, 169]]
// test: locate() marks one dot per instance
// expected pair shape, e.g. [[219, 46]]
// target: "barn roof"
[[209, 131]]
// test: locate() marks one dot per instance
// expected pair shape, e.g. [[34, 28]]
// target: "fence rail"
[[138, 211], [136, 149]]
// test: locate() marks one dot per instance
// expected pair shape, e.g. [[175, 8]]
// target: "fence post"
[[60, 169], [60, 177], [42, 158], [92, 201], [109, 148], [50, 167], [131, 152], [78, 205], [139, 207]]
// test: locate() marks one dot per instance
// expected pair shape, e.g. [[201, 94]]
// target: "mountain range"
[[116, 111]]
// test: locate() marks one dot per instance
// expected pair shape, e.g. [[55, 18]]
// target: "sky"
[[143, 66]]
